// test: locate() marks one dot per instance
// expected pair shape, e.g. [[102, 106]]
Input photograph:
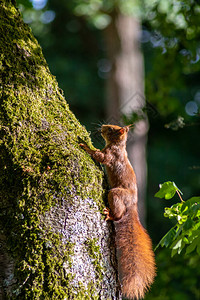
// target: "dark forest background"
[[70, 33]]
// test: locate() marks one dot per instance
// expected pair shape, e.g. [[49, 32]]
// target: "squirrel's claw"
[[106, 212], [84, 146]]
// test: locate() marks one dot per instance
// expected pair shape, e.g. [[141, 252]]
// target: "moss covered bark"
[[54, 241]]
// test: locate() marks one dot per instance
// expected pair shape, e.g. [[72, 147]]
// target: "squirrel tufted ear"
[[128, 127]]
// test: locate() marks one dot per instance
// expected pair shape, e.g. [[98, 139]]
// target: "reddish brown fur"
[[135, 255]]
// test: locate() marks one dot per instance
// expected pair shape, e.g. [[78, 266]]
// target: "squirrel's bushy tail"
[[135, 256]]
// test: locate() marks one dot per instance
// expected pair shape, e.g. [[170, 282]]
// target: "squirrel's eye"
[[110, 129]]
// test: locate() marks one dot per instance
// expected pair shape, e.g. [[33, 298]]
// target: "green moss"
[[40, 163], [89, 294], [96, 256]]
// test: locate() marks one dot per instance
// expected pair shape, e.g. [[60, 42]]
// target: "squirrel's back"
[[135, 255]]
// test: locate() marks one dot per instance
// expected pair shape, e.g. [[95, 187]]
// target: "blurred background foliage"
[[70, 33]]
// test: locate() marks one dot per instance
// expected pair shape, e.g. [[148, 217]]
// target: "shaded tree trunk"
[[54, 242], [125, 91]]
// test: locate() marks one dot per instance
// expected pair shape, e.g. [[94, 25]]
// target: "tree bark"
[[54, 242], [125, 91]]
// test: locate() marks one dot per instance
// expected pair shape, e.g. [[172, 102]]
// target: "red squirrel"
[[136, 260]]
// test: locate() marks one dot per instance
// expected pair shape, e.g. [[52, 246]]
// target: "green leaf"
[[178, 231], [167, 239], [188, 224], [193, 202], [167, 190], [191, 247], [195, 243], [198, 246], [174, 251], [177, 246]]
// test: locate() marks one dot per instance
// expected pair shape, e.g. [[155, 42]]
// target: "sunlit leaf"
[[177, 244], [167, 190]]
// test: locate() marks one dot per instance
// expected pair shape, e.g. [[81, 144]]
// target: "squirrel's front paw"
[[106, 212]]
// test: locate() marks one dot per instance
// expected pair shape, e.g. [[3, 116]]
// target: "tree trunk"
[[54, 242], [125, 91]]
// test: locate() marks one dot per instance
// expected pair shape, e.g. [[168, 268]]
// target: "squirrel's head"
[[114, 133]]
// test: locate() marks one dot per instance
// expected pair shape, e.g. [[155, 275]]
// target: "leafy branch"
[[185, 235]]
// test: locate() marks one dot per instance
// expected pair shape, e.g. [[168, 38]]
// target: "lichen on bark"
[[54, 241]]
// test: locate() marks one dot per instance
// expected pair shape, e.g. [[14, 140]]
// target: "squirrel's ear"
[[128, 127]]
